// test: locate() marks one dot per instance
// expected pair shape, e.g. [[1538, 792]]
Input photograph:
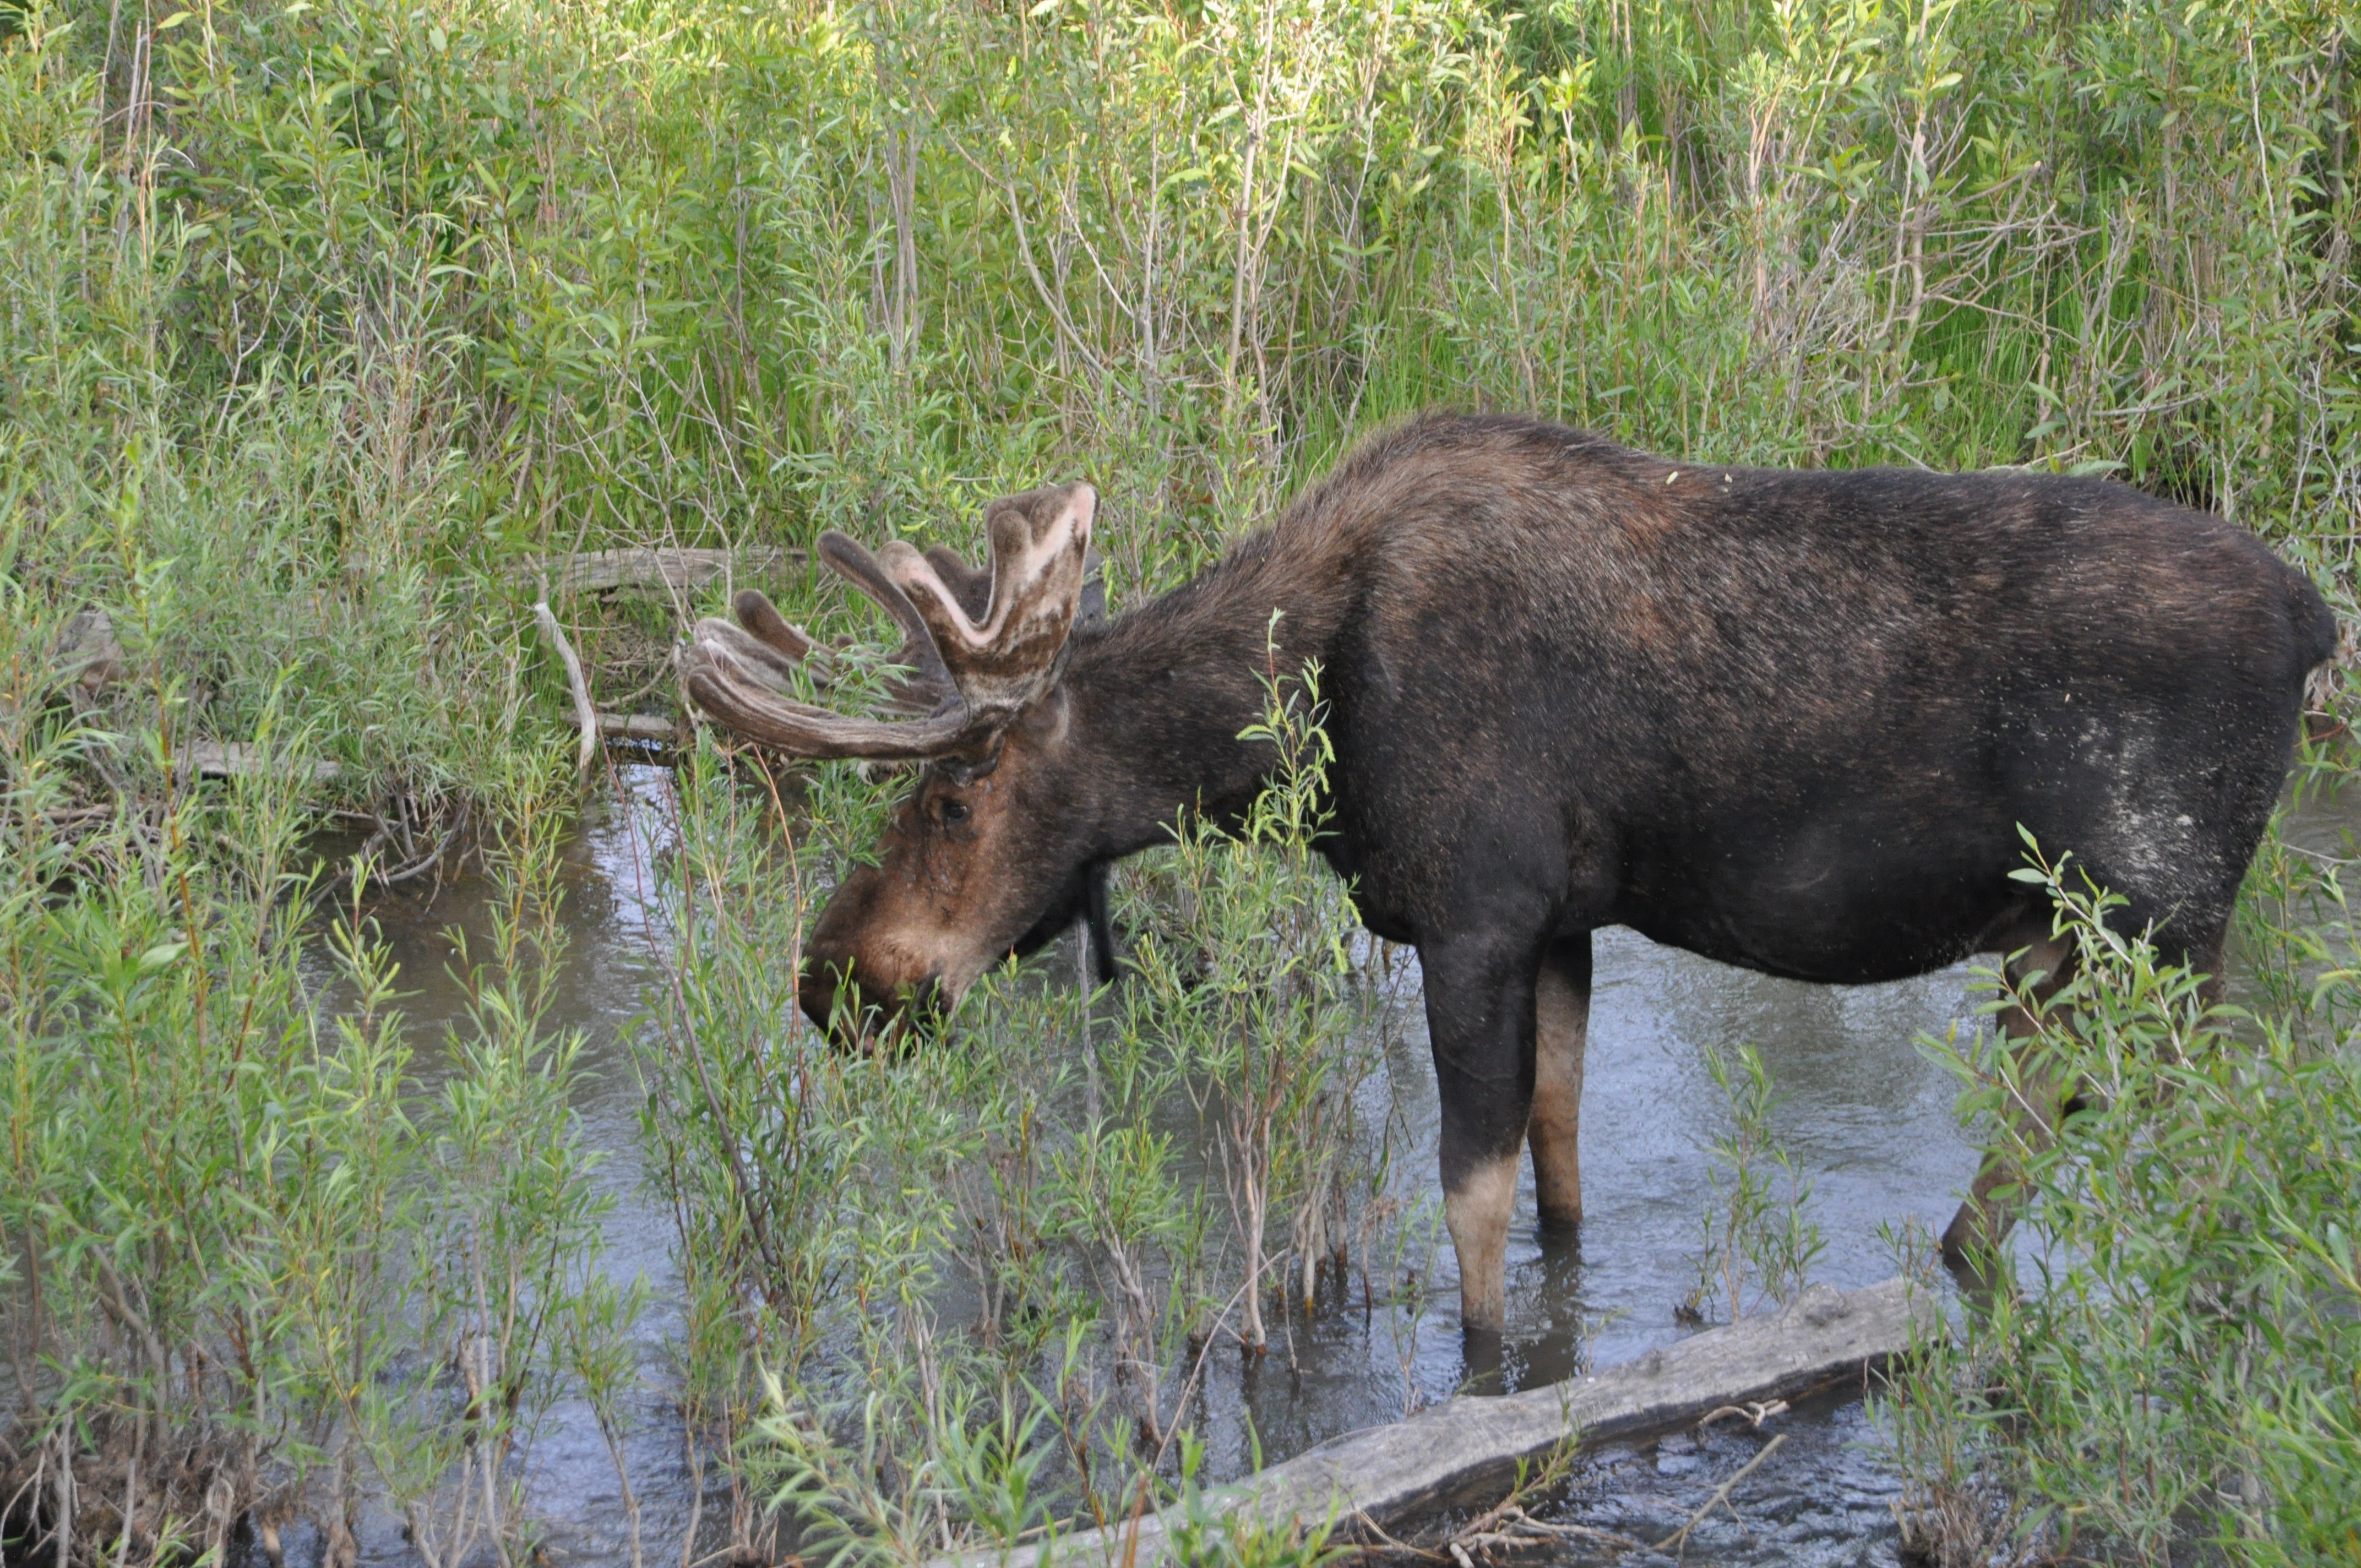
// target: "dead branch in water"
[[393, 831], [1720, 1497], [1468, 1447], [586, 714], [644, 727], [236, 759]]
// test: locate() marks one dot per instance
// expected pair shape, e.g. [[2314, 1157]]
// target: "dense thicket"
[[337, 308]]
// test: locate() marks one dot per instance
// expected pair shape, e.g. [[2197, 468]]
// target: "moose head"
[[977, 861]]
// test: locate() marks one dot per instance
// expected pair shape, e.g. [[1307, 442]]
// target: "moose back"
[[1789, 720]]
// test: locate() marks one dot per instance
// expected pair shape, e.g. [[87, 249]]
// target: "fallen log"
[[641, 727], [650, 571], [1466, 1450], [236, 759]]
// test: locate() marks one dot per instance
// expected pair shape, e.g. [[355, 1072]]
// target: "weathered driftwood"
[[585, 715], [1466, 1450], [650, 571], [236, 759], [644, 727]]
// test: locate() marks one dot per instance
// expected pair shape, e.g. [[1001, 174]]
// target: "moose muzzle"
[[868, 1017]]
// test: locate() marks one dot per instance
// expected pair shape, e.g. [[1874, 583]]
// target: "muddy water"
[[1866, 1115]]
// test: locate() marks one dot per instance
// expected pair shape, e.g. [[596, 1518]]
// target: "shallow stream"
[[1868, 1118]]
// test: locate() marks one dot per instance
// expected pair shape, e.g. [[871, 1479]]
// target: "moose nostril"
[[818, 995], [818, 1000]]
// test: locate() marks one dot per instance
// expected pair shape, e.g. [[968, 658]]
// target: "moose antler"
[[982, 651]]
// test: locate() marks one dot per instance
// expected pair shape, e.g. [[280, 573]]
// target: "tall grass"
[[424, 289], [321, 326]]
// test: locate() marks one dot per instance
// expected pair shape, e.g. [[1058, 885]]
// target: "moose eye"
[[953, 812]]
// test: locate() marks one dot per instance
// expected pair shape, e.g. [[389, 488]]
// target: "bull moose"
[[1789, 720]]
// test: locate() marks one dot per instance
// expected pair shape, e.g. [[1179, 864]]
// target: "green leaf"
[[162, 956]]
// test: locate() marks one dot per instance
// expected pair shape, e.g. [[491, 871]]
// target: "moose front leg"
[[1479, 1017], [1561, 1029]]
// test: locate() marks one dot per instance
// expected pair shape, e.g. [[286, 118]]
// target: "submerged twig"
[[1720, 1497], [1509, 1527], [1505, 1528], [1754, 1412], [431, 858]]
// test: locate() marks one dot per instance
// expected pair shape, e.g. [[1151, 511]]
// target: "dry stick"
[[1257, 124], [1515, 1531], [1521, 1531], [65, 1520], [583, 710], [1755, 1413], [31, 1487], [1720, 1496], [131, 1486]]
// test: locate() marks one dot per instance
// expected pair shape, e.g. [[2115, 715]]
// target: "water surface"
[[1867, 1116]]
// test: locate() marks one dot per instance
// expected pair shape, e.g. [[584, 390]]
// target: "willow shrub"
[[969, 1290], [2171, 1353], [256, 1271]]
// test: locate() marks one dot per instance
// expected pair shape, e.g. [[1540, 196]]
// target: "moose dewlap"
[[1792, 721]]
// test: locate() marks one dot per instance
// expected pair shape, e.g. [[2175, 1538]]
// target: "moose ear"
[[1091, 610]]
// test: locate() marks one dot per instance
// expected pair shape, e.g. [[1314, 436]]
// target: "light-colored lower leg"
[[1992, 1203], [1561, 1029], [1476, 1210]]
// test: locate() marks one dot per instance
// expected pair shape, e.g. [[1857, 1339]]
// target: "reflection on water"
[[1867, 1117], [609, 896]]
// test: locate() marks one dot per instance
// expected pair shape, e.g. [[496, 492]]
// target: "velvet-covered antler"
[[979, 659]]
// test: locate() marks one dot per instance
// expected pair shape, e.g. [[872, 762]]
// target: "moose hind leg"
[[2036, 1100], [1561, 1031]]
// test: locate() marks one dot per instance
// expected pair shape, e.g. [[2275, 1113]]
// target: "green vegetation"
[[322, 328], [986, 1287], [2173, 1353], [1756, 1235]]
